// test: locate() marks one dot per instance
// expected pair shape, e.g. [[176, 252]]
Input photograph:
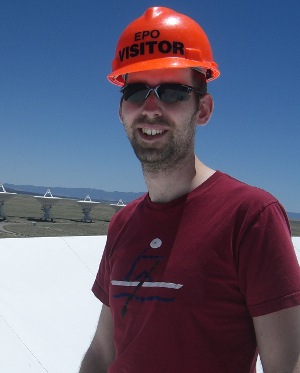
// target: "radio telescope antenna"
[[4, 196], [87, 204], [118, 206], [47, 202]]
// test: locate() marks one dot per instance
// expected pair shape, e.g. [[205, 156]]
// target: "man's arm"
[[101, 352], [278, 340]]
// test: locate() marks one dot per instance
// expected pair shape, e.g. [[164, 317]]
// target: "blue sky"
[[59, 114]]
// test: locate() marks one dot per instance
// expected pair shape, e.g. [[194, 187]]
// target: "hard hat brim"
[[116, 77]]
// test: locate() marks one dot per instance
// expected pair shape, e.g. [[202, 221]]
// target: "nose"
[[152, 105]]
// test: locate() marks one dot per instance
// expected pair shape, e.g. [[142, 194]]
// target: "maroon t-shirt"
[[184, 279]]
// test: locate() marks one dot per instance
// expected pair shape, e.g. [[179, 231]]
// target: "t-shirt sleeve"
[[117, 223], [101, 285], [268, 269]]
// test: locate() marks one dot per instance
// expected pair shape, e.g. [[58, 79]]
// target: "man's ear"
[[206, 109]]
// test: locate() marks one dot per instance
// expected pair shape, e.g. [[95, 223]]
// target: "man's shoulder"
[[230, 184], [231, 193]]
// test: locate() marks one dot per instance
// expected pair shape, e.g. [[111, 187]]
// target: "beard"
[[163, 159]]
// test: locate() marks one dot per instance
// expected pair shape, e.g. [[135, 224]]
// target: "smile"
[[152, 131]]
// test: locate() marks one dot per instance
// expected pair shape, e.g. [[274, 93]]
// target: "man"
[[199, 274]]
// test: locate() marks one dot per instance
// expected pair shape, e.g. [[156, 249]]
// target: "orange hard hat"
[[162, 38]]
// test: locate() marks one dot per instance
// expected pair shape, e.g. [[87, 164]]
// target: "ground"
[[24, 219]]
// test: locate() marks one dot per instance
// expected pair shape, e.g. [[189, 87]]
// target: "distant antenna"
[[118, 206], [87, 204], [47, 202], [4, 196]]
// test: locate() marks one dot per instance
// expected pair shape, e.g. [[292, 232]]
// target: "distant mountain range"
[[95, 194], [76, 193], [294, 215]]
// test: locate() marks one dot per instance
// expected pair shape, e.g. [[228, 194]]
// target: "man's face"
[[161, 134]]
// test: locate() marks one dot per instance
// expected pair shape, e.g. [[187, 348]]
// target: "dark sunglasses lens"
[[173, 92], [135, 93]]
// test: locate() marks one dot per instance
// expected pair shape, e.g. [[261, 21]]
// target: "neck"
[[167, 185]]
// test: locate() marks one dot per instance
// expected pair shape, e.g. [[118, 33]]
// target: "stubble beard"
[[172, 155]]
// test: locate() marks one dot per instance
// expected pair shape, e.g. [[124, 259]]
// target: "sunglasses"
[[166, 92]]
